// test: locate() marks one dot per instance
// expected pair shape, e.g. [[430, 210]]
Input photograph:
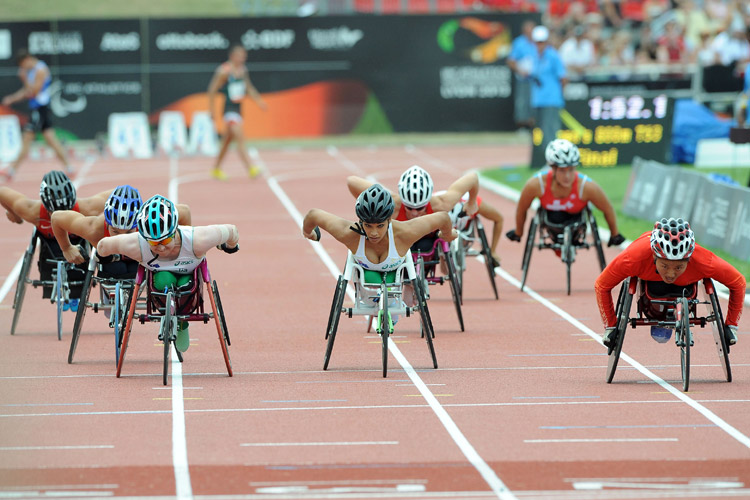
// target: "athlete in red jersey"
[[669, 254], [563, 192]]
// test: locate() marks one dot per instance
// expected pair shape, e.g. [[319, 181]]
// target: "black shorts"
[[39, 120], [50, 249], [121, 269]]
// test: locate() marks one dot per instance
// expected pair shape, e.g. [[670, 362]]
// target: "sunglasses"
[[165, 241]]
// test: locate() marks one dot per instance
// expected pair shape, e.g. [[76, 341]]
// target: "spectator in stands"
[[704, 52], [577, 53], [671, 45], [618, 51], [694, 22], [548, 78], [646, 48], [731, 46], [743, 102], [521, 61]]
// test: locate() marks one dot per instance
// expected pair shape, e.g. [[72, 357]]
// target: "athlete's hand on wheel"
[[73, 255], [13, 217], [471, 208], [314, 235], [448, 237], [616, 240], [513, 236], [227, 249]]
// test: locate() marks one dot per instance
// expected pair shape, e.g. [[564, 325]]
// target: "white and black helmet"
[[415, 187], [57, 192], [672, 239], [562, 153], [374, 204]]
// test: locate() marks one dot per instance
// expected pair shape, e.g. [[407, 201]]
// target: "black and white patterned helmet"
[[562, 153], [57, 192], [415, 187]]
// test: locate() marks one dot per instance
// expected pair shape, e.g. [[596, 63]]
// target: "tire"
[[59, 298], [597, 239], [426, 322], [23, 276], [459, 258], [685, 339], [167, 332], [487, 252], [455, 289], [116, 311], [717, 325], [530, 239], [80, 314], [333, 319], [622, 312], [221, 325], [132, 300], [384, 323], [567, 249]]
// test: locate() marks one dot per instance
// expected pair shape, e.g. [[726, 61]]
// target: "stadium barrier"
[[172, 132], [202, 135], [721, 152], [10, 138], [719, 213], [129, 135]]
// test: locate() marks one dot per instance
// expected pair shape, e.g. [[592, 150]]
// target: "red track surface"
[[524, 386]]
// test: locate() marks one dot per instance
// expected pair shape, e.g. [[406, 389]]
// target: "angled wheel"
[[458, 253], [455, 290], [23, 276], [116, 313], [717, 326], [133, 300], [597, 239], [487, 252], [622, 312], [384, 324], [567, 251], [167, 331], [81, 313], [59, 296], [221, 325], [333, 318], [428, 331], [684, 339], [530, 239]]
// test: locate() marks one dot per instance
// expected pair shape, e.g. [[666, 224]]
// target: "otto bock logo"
[[45, 42], [340, 38], [192, 41], [268, 39], [120, 42]]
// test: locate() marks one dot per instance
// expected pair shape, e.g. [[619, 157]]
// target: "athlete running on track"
[[36, 79], [233, 79], [56, 193], [563, 192], [669, 255], [170, 251]]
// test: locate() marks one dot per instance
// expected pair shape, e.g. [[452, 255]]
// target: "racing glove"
[[513, 236], [224, 248], [730, 333], [616, 240]]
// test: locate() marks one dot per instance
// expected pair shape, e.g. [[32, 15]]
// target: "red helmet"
[[672, 239]]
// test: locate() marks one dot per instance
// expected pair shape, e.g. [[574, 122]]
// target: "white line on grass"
[[495, 483]]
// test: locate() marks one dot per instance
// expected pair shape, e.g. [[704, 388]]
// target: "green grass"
[[46, 10], [614, 182]]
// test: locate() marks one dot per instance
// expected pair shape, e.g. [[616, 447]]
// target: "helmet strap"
[[357, 228]]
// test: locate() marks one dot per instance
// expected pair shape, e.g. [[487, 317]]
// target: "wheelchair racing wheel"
[[597, 239], [221, 325], [23, 276], [487, 252], [684, 339], [530, 239], [622, 312], [384, 323], [167, 330], [81, 313], [428, 331], [717, 326], [455, 290], [333, 318], [60, 296]]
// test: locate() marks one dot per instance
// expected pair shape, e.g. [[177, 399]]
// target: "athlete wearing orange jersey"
[[670, 255]]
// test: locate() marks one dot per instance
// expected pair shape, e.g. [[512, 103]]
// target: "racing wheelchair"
[[426, 265], [669, 307], [380, 301], [469, 232], [565, 237], [174, 304], [60, 280], [114, 295]]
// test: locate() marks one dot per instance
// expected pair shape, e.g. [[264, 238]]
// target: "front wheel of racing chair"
[[718, 327], [221, 325], [455, 288], [385, 325], [458, 251], [530, 240], [428, 332], [82, 306], [622, 312], [333, 318], [23, 280], [487, 253], [684, 339], [168, 330], [130, 316], [594, 228], [61, 294], [567, 252]]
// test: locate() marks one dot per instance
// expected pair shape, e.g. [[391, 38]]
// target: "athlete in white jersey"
[[169, 251], [36, 79]]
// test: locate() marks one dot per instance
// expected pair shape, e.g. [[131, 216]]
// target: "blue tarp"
[[694, 121]]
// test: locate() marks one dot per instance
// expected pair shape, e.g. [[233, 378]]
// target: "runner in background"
[[36, 79], [233, 80]]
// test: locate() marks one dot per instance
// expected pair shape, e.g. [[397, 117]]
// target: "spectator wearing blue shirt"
[[520, 61], [548, 78]]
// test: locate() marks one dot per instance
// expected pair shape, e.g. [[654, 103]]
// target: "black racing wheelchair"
[[564, 233], [669, 307], [469, 233], [60, 280]]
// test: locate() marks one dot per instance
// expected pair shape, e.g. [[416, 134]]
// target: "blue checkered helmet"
[[121, 208]]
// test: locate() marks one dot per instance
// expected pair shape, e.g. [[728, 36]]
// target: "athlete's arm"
[[207, 237], [489, 212], [468, 182], [16, 96], [357, 184], [617, 270], [67, 221], [530, 191], [183, 215], [593, 192], [408, 232], [253, 93], [334, 225], [217, 81], [727, 275], [94, 205], [34, 87], [123, 244], [18, 207]]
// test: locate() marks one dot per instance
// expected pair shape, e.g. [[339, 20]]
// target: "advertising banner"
[[611, 131], [326, 75]]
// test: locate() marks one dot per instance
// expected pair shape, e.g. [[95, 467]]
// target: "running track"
[[518, 408]]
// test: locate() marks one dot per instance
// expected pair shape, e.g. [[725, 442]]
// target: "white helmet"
[[562, 153], [415, 187], [672, 239]]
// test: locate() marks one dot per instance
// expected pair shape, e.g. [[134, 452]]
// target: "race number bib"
[[236, 90]]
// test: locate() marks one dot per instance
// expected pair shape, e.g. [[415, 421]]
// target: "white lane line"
[[721, 423], [611, 440], [323, 443], [42, 448], [497, 486], [338, 482], [183, 485], [12, 277]]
